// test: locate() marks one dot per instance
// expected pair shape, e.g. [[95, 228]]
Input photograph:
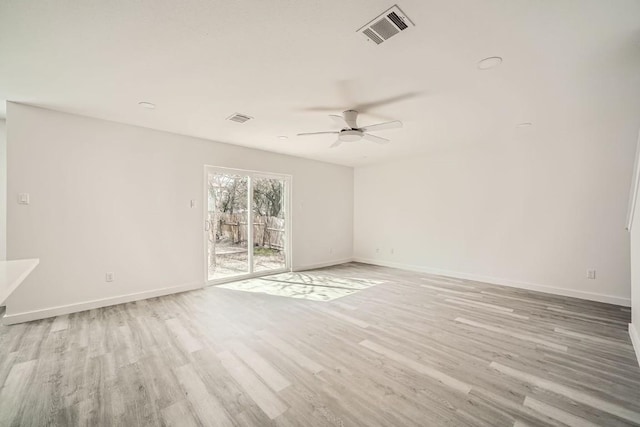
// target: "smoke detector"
[[386, 25], [239, 118]]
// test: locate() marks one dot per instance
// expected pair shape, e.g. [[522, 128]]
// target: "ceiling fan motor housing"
[[350, 116]]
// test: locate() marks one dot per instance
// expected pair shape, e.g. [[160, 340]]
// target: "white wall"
[[634, 327], [3, 190], [113, 197], [533, 213]]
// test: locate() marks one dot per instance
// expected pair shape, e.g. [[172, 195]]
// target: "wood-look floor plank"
[[189, 343], [557, 414], [14, 386], [593, 338], [455, 285], [418, 367], [180, 414], [260, 366], [513, 334], [479, 304], [290, 352], [206, 407], [359, 323], [345, 306], [60, 323], [570, 393], [265, 398], [450, 291]]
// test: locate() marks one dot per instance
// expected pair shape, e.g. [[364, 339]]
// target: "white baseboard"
[[635, 340], [27, 316], [610, 299], [322, 265]]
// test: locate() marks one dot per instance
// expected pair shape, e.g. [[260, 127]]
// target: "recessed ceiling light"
[[490, 62], [524, 125], [283, 137], [148, 105]]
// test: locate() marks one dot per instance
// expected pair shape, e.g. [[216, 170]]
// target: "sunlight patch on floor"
[[311, 286]]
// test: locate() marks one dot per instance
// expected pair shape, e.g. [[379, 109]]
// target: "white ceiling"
[[567, 65]]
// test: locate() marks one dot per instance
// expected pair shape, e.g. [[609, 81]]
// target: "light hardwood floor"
[[414, 350]]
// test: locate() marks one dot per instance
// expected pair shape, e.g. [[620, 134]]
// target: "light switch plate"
[[23, 198]]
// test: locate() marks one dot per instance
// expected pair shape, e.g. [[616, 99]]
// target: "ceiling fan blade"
[[381, 126], [376, 139], [335, 144], [392, 99], [340, 121], [318, 133], [323, 108]]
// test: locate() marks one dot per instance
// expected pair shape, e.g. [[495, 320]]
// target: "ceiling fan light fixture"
[[350, 135]]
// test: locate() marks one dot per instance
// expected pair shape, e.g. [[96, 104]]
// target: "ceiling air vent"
[[239, 118], [381, 28]]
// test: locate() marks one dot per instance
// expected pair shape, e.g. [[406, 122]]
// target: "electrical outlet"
[[591, 274], [108, 277], [330, 250], [377, 250], [393, 251]]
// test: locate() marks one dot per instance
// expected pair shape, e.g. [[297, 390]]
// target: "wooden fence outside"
[[268, 231]]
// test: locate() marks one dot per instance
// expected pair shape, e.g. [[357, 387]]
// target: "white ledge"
[[12, 273]]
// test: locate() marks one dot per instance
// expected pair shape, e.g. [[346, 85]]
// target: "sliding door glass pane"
[[227, 229], [269, 224]]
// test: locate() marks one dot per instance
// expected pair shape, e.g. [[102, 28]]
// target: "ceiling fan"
[[351, 132]]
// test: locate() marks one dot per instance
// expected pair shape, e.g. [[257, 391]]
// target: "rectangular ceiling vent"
[[381, 28], [239, 118]]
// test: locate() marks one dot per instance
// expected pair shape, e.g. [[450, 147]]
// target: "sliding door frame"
[[251, 176]]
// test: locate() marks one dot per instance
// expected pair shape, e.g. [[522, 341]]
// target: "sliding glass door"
[[269, 224], [235, 199], [228, 213]]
